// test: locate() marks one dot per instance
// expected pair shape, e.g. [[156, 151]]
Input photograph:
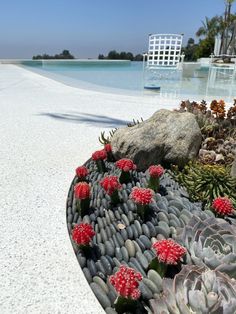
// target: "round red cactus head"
[[125, 164], [82, 234], [156, 171], [82, 190], [141, 196], [126, 282], [81, 172], [108, 148], [110, 184], [99, 155], [168, 251], [223, 206]]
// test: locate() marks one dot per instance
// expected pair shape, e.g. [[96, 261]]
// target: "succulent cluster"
[[210, 242], [206, 182], [143, 246], [218, 128], [196, 289]]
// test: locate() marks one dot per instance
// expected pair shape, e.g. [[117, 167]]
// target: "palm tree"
[[210, 27], [228, 25]]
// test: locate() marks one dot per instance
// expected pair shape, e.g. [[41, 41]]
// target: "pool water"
[[129, 78]]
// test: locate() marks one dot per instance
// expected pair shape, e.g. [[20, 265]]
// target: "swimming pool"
[[129, 78]]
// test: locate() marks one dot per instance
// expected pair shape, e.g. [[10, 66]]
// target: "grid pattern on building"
[[164, 49]]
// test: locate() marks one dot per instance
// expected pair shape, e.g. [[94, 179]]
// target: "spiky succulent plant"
[[210, 242], [206, 182], [196, 290]]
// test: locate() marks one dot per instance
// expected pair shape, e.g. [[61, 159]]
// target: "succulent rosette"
[[197, 290], [210, 242]]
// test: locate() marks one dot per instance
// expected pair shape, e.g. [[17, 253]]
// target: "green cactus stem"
[[125, 177], [154, 183], [127, 305], [101, 166], [83, 206], [115, 197], [159, 267]]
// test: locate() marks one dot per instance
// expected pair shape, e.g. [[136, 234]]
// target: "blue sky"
[[90, 27]]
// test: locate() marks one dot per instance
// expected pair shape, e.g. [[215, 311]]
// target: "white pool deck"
[[47, 129]]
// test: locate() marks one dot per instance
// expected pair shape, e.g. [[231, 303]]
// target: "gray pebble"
[[118, 254], [151, 228], [101, 283], [130, 247], [146, 230], [125, 220], [124, 234], [142, 260], [155, 278], [102, 248], [125, 254], [87, 275], [103, 235], [120, 239], [145, 241], [130, 232], [92, 267], [110, 250], [101, 295], [106, 264], [135, 232], [138, 227], [145, 291], [110, 310]]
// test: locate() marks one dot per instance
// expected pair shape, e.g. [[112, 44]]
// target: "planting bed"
[[123, 236]]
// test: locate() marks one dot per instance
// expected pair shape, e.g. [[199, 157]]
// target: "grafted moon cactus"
[[196, 290], [211, 242]]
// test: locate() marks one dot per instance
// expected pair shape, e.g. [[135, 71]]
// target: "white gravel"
[[47, 129]]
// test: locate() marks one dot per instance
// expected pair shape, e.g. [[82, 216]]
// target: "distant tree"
[[113, 55], [101, 57], [190, 50], [138, 57], [64, 55]]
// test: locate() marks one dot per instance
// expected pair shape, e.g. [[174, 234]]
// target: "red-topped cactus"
[[81, 173], [99, 156], [111, 185], [223, 206], [142, 197], [82, 234], [125, 165], [168, 252], [108, 150], [155, 172], [126, 283], [82, 196]]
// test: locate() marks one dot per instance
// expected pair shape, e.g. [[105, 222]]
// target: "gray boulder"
[[168, 137]]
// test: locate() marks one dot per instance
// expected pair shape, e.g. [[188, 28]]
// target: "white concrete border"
[[48, 129]]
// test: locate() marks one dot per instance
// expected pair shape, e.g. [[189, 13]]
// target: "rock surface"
[[168, 137]]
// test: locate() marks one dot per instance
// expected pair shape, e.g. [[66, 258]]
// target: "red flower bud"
[[81, 172], [110, 184], [141, 196], [169, 251], [99, 155], [126, 282], [156, 171], [82, 234], [82, 190], [223, 206], [125, 164]]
